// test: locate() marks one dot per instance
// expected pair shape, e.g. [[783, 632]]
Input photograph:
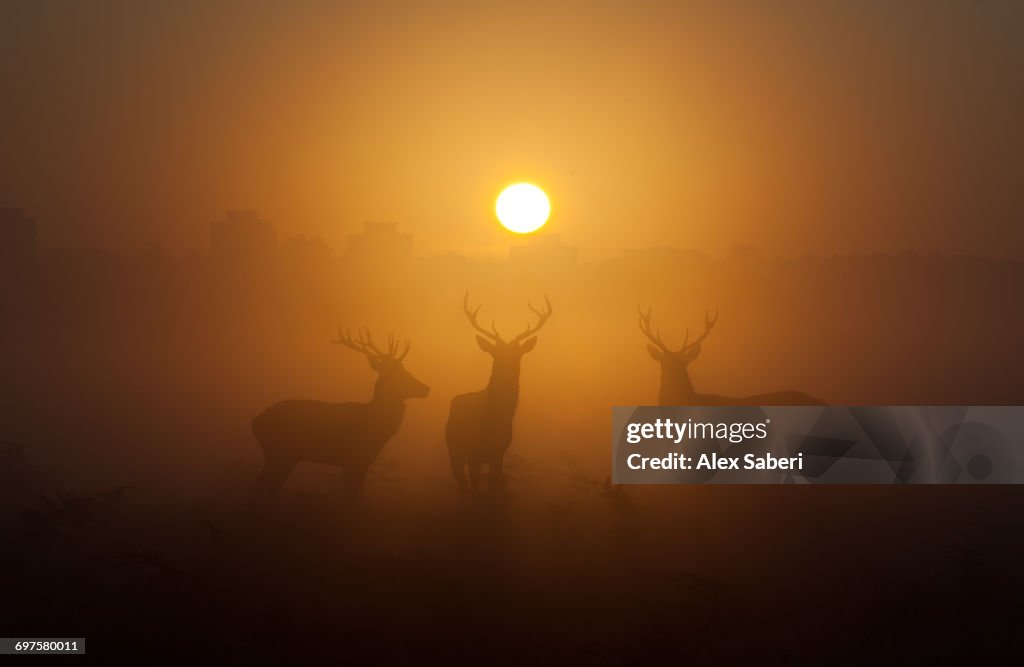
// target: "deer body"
[[348, 435], [321, 432], [479, 428], [676, 386], [676, 389]]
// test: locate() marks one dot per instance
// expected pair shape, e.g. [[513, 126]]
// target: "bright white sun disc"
[[522, 208]]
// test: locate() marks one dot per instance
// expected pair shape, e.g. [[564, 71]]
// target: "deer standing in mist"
[[349, 435], [479, 428], [676, 387]]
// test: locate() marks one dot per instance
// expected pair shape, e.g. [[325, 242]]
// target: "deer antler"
[[393, 346], [359, 345], [542, 317], [364, 344], [709, 324], [370, 344], [471, 313], [655, 337], [645, 327]]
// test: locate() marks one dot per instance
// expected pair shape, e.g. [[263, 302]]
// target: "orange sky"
[[796, 127]]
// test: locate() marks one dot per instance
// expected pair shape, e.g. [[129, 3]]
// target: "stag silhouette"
[[676, 386], [348, 435], [479, 428]]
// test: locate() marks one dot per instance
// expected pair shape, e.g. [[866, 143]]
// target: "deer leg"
[[474, 476], [495, 477], [458, 471], [271, 478], [354, 477]]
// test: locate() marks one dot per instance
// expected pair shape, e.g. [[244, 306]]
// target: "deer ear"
[[485, 345], [527, 345], [374, 363], [654, 352], [693, 353]]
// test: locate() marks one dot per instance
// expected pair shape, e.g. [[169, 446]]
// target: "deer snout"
[[422, 391]]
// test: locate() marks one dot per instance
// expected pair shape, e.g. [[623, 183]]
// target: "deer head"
[[507, 353], [393, 381], [674, 362]]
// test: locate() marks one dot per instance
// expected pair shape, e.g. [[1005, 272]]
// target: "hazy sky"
[[800, 126]]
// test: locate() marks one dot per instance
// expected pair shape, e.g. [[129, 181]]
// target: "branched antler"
[[542, 318], [655, 337], [709, 324], [645, 327], [393, 346], [493, 335], [364, 344], [471, 313]]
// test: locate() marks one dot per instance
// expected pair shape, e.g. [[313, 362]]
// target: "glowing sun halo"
[[522, 208]]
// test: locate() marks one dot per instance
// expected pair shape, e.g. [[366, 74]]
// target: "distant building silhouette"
[[661, 257], [242, 237], [17, 236], [379, 241], [304, 250], [745, 252], [544, 249]]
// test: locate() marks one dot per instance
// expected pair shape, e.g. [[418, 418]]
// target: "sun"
[[522, 208]]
